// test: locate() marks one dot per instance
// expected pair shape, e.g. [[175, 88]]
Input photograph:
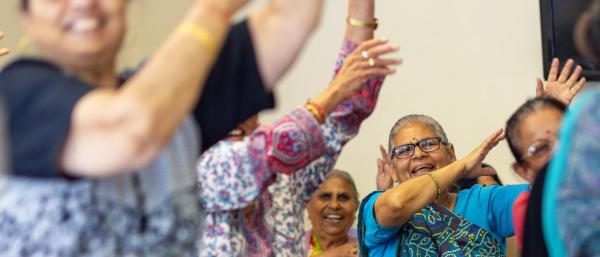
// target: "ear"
[[451, 151], [394, 174], [520, 170]]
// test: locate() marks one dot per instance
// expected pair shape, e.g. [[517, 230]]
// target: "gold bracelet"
[[437, 185], [315, 113], [362, 24], [199, 33]]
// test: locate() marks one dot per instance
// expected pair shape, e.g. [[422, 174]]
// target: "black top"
[[534, 243], [40, 99]]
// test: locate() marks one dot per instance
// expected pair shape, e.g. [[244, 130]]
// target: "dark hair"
[[532, 105], [24, 5], [466, 183]]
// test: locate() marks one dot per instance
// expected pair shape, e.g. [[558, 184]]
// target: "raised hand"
[[3, 51], [363, 63], [473, 161], [563, 87], [384, 169]]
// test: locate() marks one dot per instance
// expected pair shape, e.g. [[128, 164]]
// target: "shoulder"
[[24, 77], [482, 197]]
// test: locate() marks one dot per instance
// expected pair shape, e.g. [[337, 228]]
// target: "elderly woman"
[[332, 211], [419, 216], [531, 133], [107, 163], [255, 201]]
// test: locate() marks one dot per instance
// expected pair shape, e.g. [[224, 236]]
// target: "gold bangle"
[[362, 24], [315, 112], [437, 185], [199, 33]]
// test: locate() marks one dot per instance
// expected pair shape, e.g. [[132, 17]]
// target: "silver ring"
[[365, 55]]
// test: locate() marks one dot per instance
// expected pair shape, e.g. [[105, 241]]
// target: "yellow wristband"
[[363, 24], [199, 33]]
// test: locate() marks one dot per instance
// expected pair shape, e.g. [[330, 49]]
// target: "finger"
[[375, 72], [4, 51], [382, 49], [566, 71], [493, 139], [381, 63], [553, 74], [575, 76], [384, 153], [539, 88], [366, 45], [380, 168], [577, 87]]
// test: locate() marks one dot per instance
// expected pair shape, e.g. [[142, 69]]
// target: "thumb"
[[539, 88]]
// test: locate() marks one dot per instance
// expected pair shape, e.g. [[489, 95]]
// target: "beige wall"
[[467, 63]]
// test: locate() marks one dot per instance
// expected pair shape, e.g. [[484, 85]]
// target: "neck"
[[328, 242], [447, 200], [96, 75]]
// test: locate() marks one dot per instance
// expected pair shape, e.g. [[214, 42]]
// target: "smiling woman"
[[107, 161], [332, 211], [420, 215]]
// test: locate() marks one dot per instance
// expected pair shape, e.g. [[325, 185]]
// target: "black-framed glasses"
[[541, 148], [426, 145]]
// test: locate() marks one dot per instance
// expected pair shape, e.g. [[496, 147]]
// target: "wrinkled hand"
[[473, 161], [563, 87], [356, 68], [384, 170], [3, 51], [346, 250]]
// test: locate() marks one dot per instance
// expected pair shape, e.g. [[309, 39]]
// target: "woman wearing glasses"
[[419, 216]]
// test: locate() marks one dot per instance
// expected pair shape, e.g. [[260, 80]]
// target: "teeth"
[[423, 168], [333, 217], [85, 24]]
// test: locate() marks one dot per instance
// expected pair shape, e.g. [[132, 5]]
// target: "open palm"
[[564, 86]]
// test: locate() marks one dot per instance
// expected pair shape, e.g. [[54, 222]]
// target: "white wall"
[[467, 63]]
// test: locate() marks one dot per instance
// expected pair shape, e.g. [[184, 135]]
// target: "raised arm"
[[396, 205], [121, 130], [279, 31], [362, 14], [295, 140]]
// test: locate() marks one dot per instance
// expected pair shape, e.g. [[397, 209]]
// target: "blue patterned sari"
[[437, 231]]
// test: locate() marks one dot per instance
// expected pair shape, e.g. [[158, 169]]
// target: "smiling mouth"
[[332, 218], [422, 169], [85, 25]]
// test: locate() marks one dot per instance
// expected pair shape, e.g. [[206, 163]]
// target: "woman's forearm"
[[279, 32], [395, 206], [363, 10]]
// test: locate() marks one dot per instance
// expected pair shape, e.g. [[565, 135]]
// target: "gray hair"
[[348, 178], [420, 118]]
